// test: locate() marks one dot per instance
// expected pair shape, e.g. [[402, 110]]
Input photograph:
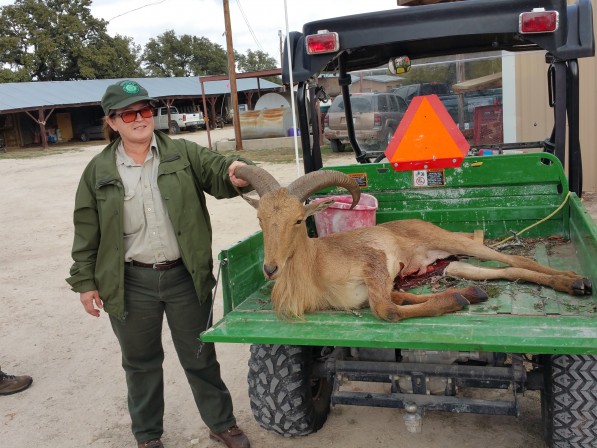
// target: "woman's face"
[[140, 129]]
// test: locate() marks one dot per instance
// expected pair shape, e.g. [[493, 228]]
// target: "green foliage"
[[172, 55], [59, 40], [476, 69], [431, 73], [446, 72], [56, 40], [254, 61]]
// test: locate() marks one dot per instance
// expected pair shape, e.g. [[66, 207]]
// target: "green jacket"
[[186, 171]]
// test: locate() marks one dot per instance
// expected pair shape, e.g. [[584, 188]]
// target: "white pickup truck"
[[178, 121]]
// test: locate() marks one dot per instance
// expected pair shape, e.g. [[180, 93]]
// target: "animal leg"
[[379, 285], [472, 294], [444, 302], [561, 281], [383, 300], [460, 245]]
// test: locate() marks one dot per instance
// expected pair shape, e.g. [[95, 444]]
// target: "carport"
[[70, 101]]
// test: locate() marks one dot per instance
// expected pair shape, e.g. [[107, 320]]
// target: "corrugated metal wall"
[[588, 114], [532, 104]]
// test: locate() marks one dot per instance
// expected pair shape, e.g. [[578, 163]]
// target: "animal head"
[[281, 211]]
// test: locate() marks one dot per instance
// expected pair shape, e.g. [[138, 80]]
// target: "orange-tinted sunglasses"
[[129, 116]]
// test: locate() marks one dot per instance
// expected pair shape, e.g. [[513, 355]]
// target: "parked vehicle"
[[480, 359], [470, 100], [408, 92], [93, 132], [229, 118], [375, 118], [178, 121]]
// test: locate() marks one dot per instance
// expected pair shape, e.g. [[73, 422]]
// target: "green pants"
[[148, 294]]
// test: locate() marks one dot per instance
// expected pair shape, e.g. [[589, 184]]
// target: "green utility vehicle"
[[525, 337]]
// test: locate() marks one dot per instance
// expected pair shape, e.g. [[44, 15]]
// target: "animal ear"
[[316, 207], [252, 201]]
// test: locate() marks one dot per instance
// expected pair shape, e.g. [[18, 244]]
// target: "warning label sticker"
[[361, 179], [429, 178]]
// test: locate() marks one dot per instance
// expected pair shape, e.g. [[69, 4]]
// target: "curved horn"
[[311, 183], [262, 181]]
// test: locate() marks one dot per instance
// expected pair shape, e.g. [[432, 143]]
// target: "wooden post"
[[42, 127], [41, 121], [460, 77], [232, 74], [169, 103], [212, 107], [205, 116], [249, 95]]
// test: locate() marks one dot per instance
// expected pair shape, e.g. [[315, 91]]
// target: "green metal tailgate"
[[495, 194]]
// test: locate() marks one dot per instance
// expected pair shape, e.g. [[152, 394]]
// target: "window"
[[382, 103]]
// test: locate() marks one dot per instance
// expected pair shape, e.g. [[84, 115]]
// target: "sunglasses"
[[131, 115]]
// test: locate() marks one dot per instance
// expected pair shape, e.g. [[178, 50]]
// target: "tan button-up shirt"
[[148, 233]]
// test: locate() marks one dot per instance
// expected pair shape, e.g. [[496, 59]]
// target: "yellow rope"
[[534, 224]]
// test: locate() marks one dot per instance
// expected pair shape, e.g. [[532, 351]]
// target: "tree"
[[59, 40], [186, 55], [254, 61]]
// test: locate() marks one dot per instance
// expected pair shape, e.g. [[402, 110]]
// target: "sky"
[[255, 23]]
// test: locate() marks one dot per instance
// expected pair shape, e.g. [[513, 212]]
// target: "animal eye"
[[299, 221]]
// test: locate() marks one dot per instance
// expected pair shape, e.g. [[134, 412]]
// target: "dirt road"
[[78, 397]]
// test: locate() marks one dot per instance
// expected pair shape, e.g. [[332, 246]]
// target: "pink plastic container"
[[339, 217]]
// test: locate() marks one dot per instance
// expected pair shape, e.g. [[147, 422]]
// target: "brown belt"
[[162, 266]]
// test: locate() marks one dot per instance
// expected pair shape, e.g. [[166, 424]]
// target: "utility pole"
[[281, 37], [232, 74]]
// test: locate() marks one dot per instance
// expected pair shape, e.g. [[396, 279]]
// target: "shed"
[[77, 103]]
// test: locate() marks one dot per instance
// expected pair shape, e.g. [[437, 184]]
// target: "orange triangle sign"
[[426, 138]]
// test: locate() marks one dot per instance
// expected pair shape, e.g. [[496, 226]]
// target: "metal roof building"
[[29, 111], [23, 96]]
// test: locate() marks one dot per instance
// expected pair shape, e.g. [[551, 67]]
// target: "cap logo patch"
[[130, 87]]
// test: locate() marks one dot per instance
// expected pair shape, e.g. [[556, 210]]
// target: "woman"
[[142, 249]]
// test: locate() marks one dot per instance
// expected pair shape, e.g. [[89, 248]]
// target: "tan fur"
[[352, 269]]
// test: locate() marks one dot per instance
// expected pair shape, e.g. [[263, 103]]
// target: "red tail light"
[[538, 22], [326, 120], [184, 117], [376, 120], [322, 42]]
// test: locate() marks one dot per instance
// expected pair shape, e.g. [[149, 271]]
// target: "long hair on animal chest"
[[295, 292]]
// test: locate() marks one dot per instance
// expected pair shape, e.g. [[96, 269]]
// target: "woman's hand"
[[91, 302], [235, 180]]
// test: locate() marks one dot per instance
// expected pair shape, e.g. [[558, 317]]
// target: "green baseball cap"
[[122, 94]]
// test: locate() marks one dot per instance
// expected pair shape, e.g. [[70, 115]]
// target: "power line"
[[249, 26], [136, 9]]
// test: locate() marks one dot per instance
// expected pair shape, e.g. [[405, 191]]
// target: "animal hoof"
[[461, 300], [392, 316], [582, 287], [474, 294]]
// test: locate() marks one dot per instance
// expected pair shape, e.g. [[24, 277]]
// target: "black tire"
[[285, 397], [174, 128], [389, 135], [337, 146], [84, 137], [569, 401]]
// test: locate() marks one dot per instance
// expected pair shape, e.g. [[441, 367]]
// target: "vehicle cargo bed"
[[498, 195]]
